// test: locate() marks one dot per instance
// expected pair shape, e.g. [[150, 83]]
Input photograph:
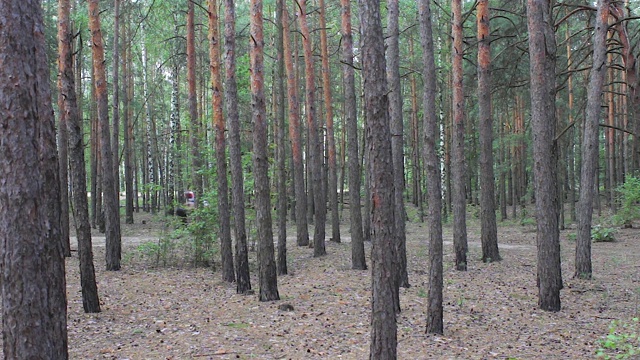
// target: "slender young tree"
[[358, 261], [243, 279], [332, 183], [110, 199], [542, 52], [489, 228], [583, 269], [458, 167], [63, 157], [397, 139], [280, 143], [115, 135], [314, 145], [295, 135], [432, 164], [69, 107], [196, 160], [226, 251], [127, 125], [383, 253], [266, 261], [34, 303]]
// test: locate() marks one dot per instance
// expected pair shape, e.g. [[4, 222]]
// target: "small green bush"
[[622, 342], [600, 233]]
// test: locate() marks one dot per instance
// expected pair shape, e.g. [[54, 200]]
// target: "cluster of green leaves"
[[630, 201], [622, 342], [601, 233]]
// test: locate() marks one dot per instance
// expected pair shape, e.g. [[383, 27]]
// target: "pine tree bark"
[[280, 143], [196, 160], [397, 138], [358, 260], [226, 252], [115, 139], [266, 261], [314, 148], [295, 135], [34, 303], [458, 161], [127, 126], [383, 253], [332, 183], [68, 107], [489, 228], [63, 152], [243, 279], [110, 197], [432, 165], [542, 50], [583, 267]]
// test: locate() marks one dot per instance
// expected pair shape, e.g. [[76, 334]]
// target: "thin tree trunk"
[[115, 139], [127, 126], [432, 164], [384, 276], [489, 229], [243, 279], [266, 261], [110, 197], [542, 51], [458, 166], [332, 183], [63, 146], [314, 148], [90, 300], [280, 143], [397, 139], [358, 260], [295, 136], [196, 157], [583, 267], [224, 216]]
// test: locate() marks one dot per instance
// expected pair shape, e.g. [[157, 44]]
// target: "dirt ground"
[[490, 311]]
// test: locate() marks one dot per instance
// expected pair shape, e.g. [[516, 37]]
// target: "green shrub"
[[622, 342], [600, 233], [629, 194]]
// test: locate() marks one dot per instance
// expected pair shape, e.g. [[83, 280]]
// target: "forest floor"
[[490, 311]]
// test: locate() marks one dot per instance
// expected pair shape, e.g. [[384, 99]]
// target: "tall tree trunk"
[[69, 107], [280, 143], [571, 133], [542, 50], [432, 164], [196, 156], [266, 261], [226, 252], [314, 145], [583, 268], [489, 229], [127, 126], [110, 196], [383, 253], [243, 280], [295, 135], [34, 303], [397, 138], [63, 141], [95, 150], [332, 189], [115, 139], [358, 261], [458, 166]]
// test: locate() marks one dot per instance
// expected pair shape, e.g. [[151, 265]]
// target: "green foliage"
[[600, 233], [629, 199], [622, 342]]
